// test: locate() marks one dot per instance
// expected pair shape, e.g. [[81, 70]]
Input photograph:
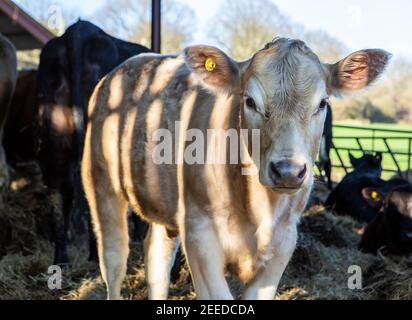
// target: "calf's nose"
[[288, 174]]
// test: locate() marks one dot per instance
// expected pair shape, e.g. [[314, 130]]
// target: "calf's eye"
[[322, 106], [251, 103]]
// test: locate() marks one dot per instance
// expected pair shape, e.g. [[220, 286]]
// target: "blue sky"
[[358, 23]]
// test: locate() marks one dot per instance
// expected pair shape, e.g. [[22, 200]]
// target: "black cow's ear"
[[373, 197], [352, 159], [379, 156]]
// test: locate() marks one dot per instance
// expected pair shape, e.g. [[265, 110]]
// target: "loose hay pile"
[[326, 248]]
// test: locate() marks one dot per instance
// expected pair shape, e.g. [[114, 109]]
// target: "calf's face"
[[284, 92]]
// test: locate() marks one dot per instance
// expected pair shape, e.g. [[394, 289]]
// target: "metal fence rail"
[[374, 136]]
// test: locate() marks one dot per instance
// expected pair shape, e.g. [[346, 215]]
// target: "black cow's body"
[[347, 199], [326, 144], [70, 67], [20, 138], [391, 229], [8, 77]]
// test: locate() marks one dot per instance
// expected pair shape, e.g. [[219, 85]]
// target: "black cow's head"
[[395, 200], [369, 165]]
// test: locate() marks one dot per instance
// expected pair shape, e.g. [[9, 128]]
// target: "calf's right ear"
[[357, 71], [214, 68], [373, 197]]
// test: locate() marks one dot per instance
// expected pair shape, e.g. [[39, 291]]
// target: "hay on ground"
[[327, 246]]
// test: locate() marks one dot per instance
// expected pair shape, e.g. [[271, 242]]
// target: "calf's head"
[[394, 200], [284, 91]]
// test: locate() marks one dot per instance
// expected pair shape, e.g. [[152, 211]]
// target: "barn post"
[[156, 26]]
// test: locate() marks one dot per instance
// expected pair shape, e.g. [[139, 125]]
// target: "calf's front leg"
[[265, 283], [206, 262]]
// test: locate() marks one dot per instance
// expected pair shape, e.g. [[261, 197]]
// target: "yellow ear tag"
[[210, 64], [374, 195]]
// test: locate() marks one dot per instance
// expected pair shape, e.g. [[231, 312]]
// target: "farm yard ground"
[[319, 268]]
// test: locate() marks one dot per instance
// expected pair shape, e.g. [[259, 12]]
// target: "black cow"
[[20, 142], [326, 144], [70, 67], [391, 229], [8, 76], [347, 199]]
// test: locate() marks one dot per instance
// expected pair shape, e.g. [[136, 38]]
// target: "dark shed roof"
[[20, 28]]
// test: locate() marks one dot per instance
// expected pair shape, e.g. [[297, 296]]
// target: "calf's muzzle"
[[288, 174]]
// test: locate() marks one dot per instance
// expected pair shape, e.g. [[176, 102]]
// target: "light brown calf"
[[225, 218], [8, 78]]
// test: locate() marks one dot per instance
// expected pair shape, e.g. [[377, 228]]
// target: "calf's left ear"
[[214, 68], [373, 197], [357, 71]]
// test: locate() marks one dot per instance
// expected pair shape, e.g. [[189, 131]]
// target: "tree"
[[328, 48], [243, 27], [49, 14], [131, 20], [399, 77]]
